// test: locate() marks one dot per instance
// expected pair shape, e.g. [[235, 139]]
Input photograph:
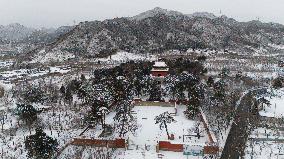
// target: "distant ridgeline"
[[158, 30]]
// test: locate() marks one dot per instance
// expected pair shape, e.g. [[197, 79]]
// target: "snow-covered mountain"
[[158, 10], [202, 14], [17, 33], [45, 36], [159, 30], [17, 38], [14, 32], [154, 12]]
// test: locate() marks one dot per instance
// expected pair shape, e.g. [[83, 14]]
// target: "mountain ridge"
[[165, 30]]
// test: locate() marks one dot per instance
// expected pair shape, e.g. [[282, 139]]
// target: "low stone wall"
[[210, 134], [211, 148], [117, 143]]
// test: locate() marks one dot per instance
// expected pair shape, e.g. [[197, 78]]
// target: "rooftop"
[[160, 64]]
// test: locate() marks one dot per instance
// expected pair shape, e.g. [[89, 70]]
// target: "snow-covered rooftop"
[[160, 69], [160, 64]]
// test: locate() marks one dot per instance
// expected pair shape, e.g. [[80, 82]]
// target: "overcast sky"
[[54, 13]]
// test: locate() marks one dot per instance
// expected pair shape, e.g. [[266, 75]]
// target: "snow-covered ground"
[[150, 154], [142, 144], [56, 56], [276, 109], [149, 133], [6, 63], [265, 143], [121, 57], [62, 125], [30, 73], [264, 150], [278, 47], [145, 119]]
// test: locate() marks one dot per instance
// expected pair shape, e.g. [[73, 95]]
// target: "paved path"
[[239, 133]]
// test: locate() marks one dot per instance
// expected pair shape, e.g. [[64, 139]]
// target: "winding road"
[[239, 133]]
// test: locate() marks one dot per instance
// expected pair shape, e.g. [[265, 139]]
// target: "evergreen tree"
[[170, 86], [225, 72], [68, 95], [62, 90], [155, 91], [210, 81], [180, 88], [138, 86], [195, 96], [83, 78], [164, 119], [191, 111], [121, 89], [34, 95], [124, 121], [201, 58], [94, 116], [278, 82], [27, 113], [220, 90], [40, 146]]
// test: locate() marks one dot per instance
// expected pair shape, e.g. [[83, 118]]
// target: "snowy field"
[[150, 154], [121, 57], [56, 56], [182, 126], [265, 150], [264, 144], [276, 109], [142, 144], [30, 73], [6, 63]]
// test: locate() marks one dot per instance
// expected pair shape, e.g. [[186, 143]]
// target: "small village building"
[[160, 69]]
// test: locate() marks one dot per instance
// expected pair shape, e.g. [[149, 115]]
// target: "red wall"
[[207, 129], [167, 146], [211, 149], [156, 73]]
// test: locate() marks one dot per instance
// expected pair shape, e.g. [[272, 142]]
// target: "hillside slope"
[[158, 30]]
